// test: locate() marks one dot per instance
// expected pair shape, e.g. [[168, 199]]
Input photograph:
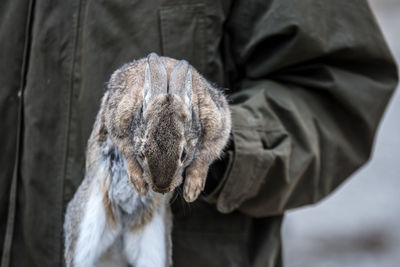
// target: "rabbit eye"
[[183, 156], [140, 155]]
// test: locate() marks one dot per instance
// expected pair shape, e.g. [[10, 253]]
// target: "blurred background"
[[359, 224]]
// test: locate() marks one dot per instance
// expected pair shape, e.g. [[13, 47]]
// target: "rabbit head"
[[166, 144], [161, 142]]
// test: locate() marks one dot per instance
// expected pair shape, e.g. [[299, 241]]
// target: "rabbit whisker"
[[175, 197]]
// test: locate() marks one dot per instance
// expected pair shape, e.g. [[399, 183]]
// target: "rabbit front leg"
[[135, 174], [133, 168], [196, 175], [216, 135]]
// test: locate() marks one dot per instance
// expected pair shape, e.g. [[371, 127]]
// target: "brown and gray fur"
[[159, 120]]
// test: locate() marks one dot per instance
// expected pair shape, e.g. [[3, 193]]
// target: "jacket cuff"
[[248, 163]]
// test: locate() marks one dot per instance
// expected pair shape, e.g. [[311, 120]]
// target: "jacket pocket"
[[183, 33]]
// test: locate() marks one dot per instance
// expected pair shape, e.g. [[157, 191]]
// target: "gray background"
[[359, 224]]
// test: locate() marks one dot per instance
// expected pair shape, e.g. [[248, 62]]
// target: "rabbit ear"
[[155, 79], [180, 82]]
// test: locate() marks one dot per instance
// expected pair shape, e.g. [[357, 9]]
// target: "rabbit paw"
[[135, 176], [192, 187], [140, 185]]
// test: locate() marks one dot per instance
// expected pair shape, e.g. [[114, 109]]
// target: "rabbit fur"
[[159, 121]]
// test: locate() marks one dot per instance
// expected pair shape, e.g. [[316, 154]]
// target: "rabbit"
[[159, 121]]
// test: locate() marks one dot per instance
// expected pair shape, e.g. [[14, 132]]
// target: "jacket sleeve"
[[313, 79]]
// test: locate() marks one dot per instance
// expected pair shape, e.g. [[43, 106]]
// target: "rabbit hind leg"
[[147, 245], [114, 256], [95, 234]]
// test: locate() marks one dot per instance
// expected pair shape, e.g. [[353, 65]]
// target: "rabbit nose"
[[161, 183], [160, 189]]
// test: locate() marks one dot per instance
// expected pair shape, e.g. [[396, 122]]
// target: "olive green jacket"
[[308, 83]]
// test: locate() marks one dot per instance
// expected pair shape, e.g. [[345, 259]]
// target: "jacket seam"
[[10, 225], [71, 86]]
